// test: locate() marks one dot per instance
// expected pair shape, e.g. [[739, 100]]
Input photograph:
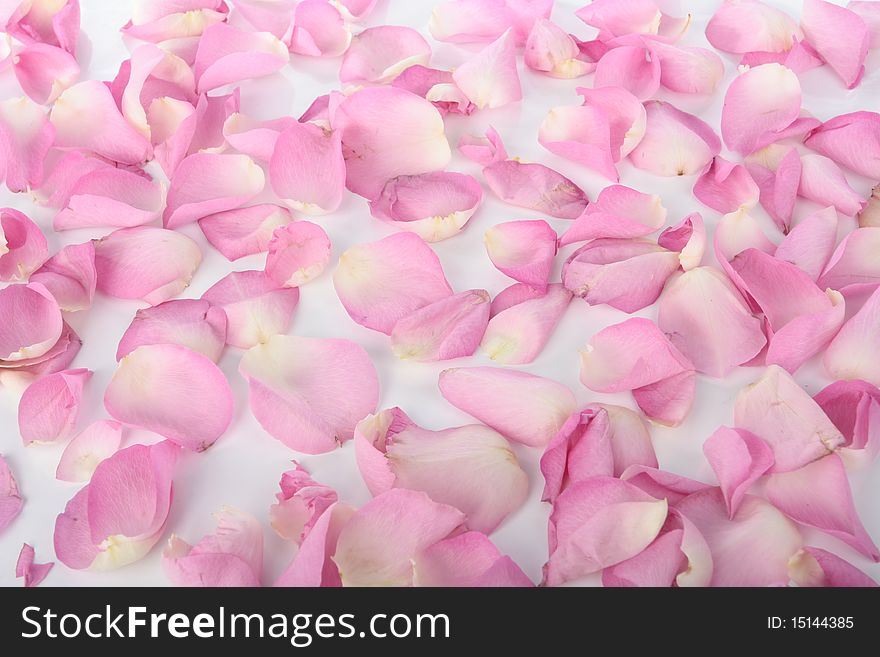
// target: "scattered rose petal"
[[523, 250], [97, 442], [298, 252], [748, 25], [379, 54], [191, 323], [551, 50], [33, 573], [810, 244], [49, 408], [111, 197], [813, 566], [226, 55], [692, 142], [854, 408], [468, 21], [300, 504], [468, 559], [536, 187], [244, 231], [619, 212], [490, 79], [726, 187], [822, 181], [739, 458], [852, 140], [24, 247], [823, 24], [26, 135], [10, 500]]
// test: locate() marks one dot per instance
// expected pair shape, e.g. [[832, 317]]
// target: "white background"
[[242, 469]]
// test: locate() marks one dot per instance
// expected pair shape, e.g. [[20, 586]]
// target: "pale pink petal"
[[388, 132], [655, 566], [192, 323], [70, 276], [823, 24], [806, 335], [523, 250], [381, 282], [146, 263], [49, 408], [619, 212], [256, 307], [810, 244], [31, 322], [313, 565], [33, 573], [85, 117], [111, 197], [451, 327], [44, 71], [776, 409], [726, 187], [687, 70], [298, 252], [597, 523], [244, 231], [176, 19], [319, 30], [627, 274], [580, 133], [253, 137], [851, 140], [739, 458], [55, 23], [307, 169], [662, 484], [23, 247], [469, 559], [379, 54], [173, 391], [818, 495], [227, 55], [706, 318], [800, 58], [356, 10], [483, 150], [870, 13], [471, 468], [854, 263], [467, 21], [779, 188], [232, 556], [490, 79], [207, 183], [688, 237], [691, 142], [615, 18], [377, 545], [822, 181], [750, 25], [813, 566], [57, 358], [526, 408], [536, 187], [300, 504], [870, 215], [551, 50], [751, 549], [853, 354], [634, 68], [120, 515], [309, 393], [667, 402], [25, 138], [97, 442], [10, 500], [435, 85], [274, 16], [625, 114], [517, 334], [854, 408]]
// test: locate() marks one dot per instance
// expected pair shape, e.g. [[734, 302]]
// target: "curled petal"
[[526, 408], [582, 134], [256, 307], [146, 263], [687, 70], [551, 50], [468, 21], [309, 393], [313, 565], [435, 85], [468, 559], [111, 197], [706, 318], [10, 500], [255, 138], [692, 142], [667, 402], [822, 181], [662, 484], [631, 67], [232, 556], [738, 458], [97, 442], [319, 30], [806, 335], [307, 169], [776, 409], [490, 79], [23, 247], [657, 565], [55, 23], [823, 23], [851, 140], [31, 322], [853, 353], [300, 504], [192, 323], [26, 135], [44, 71], [625, 114], [779, 188], [161, 21], [49, 407], [688, 237], [379, 54], [627, 274], [57, 358], [244, 231], [518, 333], [227, 55], [818, 495], [388, 132], [173, 391], [751, 25], [536, 187], [33, 573], [810, 244], [523, 250], [207, 183], [451, 327], [854, 408], [854, 262], [471, 468], [619, 212], [581, 450], [298, 252], [813, 566], [726, 187], [381, 282]]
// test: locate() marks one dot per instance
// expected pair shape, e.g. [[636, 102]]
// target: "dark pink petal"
[[23, 247], [726, 187], [49, 408], [244, 231], [739, 458], [227, 55], [33, 573], [822, 181], [749, 25], [111, 197], [25, 138], [469, 559], [298, 252], [97, 442], [536, 187], [851, 140], [692, 142], [823, 24], [854, 408], [379, 54], [523, 250], [817, 567], [468, 21], [818, 495], [192, 323], [618, 211], [300, 504], [854, 264], [810, 244], [307, 169], [581, 450], [10, 500]]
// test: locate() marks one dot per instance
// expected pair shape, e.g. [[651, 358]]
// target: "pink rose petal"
[[810, 244], [468, 21], [582, 134], [852, 354], [854, 408], [687, 70], [748, 25], [379, 53], [300, 504], [33, 573], [817, 567], [631, 67], [111, 197], [854, 264], [536, 187], [227, 55], [662, 484], [97, 442], [468, 559], [244, 231], [822, 181], [625, 114], [726, 187], [191, 323], [490, 79], [669, 130], [313, 564], [55, 23], [806, 335], [44, 71], [49, 408], [852, 140], [523, 250], [619, 212], [31, 322], [688, 237], [823, 24], [779, 188], [319, 30], [253, 137], [298, 252], [739, 458], [10, 500], [23, 246], [551, 50], [26, 135]]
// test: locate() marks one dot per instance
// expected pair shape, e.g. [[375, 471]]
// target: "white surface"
[[244, 466]]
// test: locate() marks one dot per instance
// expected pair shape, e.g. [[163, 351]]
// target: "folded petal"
[[749, 25], [726, 187], [813, 566], [631, 67], [192, 323], [618, 212], [806, 335], [146, 263], [526, 408], [691, 142], [10, 500], [580, 133], [854, 408], [227, 55], [256, 307], [518, 333], [523, 250], [738, 458], [852, 140], [300, 504], [668, 401], [852, 353], [49, 408], [490, 79], [625, 114], [33, 573], [822, 181], [779, 188], [818, 495], [379, 54], [381, 282], [854, 263], [536, 187], [706, 318], [57, 358], [173, 391], [483, 150], [253, 137], [823, 24], [614, 19], [468, 559], [581, 450], [688, 237], [111, 197], [468, 21], [319, 30], [776, 409], [313, 565], [97, 442], [23, 247], [55, 23], [661, 484], [298, 252], [309, 393], [244, 231], [162, 21], [810, 244], [307, 169], [31, 322], [26, 135], [551, 50], [44, 71]]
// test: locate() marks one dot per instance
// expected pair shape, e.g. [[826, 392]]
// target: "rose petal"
[[469, 559], [823, 23], [669, 130], [739, 458], [551, 50], [44, 71], [490, 79], [806, 335], [523, 250], [298, 252], [244, 231], [536, 187], [300, 504], [748, 25], [379, 53], [26, 135], [582, 134], [10, 500], [854, 264], [813, 566], [581, 450], [32, 322], [854, 408], [822, 181], [631, 67], [467, 21], [619, 212], [852, 140], [191, 323], [661, 484], [726, 187], [319, 30], [687, 70], [688, 237], [24, 246], [810, 244], [312, 565], [307, 169], [779, 188], [49, 408], [227, 55], [851, 354], [96, 443], [55, 23]]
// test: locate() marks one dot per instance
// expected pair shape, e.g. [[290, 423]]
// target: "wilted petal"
[[244, 231], [173, 391], [627, 274], [300, 504], [854, 408], [580, 133], [618, 211], [749, 25], [49, 408], [813, 566], [111, 197], [687, 70], [298, 252], [307, 169], [381, 282], [23, 247], [776, 409], [490, 79], [739, 458], [691, 142], [25, 138], [451, 327], [631, 67], [146, 263], [688, 237], [309, 393], [706, 318], [97, 442], [854, 263], [256, 307], [551, 50], [33, 573], [726, 187], [227, 55], [319, 30], [822, 181], [192, 323], [818, 495], [852, 140], [536, 187], [823, 24], [523, 250], [471, 468], [810, 244], [518, 333], [379, 54], [30, 322], [467, 21], [526, 408]]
